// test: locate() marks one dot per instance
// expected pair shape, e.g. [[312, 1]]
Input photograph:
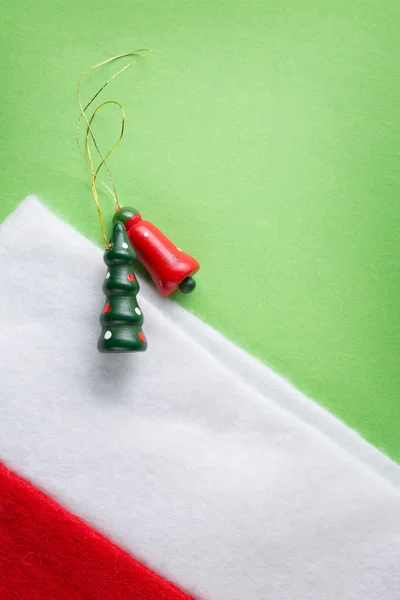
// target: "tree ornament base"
[[121, 339]]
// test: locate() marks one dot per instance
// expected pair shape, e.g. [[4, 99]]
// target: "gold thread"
[[138, 54], [94, 173]]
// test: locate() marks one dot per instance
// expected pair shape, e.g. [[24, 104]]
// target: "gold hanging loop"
[[90, 137]]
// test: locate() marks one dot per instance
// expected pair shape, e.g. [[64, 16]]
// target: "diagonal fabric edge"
[[252, 372], [48, 553]]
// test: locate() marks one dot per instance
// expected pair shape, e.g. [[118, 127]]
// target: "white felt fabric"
[[193, 456]]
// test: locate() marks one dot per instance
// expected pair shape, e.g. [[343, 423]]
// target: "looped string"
[[95, 173], [90, 137]]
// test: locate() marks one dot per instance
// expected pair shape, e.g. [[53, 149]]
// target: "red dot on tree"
[[131, 277], [141, 337], [106, 309]]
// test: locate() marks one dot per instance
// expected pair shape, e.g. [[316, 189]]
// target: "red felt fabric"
[[46, 553]]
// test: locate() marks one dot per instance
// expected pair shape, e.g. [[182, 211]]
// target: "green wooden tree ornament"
[[121, 318]]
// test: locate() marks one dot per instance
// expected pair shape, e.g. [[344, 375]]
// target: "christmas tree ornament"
[[169, 267], [121, 318]]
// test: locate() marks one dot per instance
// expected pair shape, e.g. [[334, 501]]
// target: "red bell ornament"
[[169, 267]]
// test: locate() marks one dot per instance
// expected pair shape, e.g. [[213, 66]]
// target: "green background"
[[261, 136]]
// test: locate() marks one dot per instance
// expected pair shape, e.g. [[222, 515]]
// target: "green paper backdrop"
[[263, 137]]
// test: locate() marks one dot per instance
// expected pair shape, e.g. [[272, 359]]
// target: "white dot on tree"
[[124, 245], [107, 335], [108, 275], [146, 234], [138, 311]]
